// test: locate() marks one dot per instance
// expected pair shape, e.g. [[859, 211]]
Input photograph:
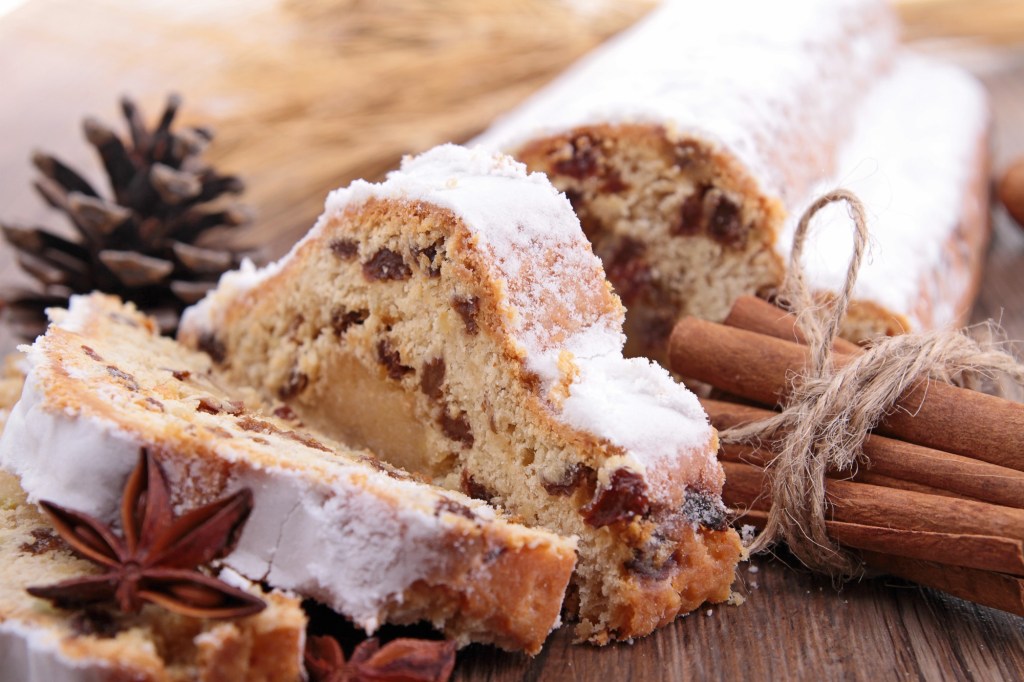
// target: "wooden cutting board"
[[62, 59]]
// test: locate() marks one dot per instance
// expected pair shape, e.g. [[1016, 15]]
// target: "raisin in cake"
[[455, 320], [329, 522], [41, 643], [690, 144]]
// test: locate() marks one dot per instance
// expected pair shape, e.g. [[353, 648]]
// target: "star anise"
[[400, 660], [156, 559]]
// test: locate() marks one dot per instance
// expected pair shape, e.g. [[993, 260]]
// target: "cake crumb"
[[747, 534], [709, 612]]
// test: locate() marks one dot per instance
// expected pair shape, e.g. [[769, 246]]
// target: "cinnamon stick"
[[895, 463], [757, 315], [939, 416], [899, 484], [872, 505], [985, 553], [997, 590], [745, 454]]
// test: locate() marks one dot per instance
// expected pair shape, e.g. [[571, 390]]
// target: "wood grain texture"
[[793, 625]]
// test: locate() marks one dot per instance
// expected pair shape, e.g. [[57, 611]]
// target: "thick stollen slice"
[[40, 643], [690, 145], [329, 522], [454, 320]]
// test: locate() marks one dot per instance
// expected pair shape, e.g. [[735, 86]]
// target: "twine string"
[[830, 412]]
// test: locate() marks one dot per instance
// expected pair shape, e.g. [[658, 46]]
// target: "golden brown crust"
[[707, 577]]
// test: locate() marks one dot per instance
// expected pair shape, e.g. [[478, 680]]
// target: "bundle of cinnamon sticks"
[[940, 498]]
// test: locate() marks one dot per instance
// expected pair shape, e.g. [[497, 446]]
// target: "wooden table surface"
[[793, 625]]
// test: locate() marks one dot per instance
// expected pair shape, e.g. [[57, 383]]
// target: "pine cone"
[[140, 244]]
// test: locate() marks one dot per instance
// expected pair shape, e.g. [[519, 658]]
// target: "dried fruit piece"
[[306, 440], [430, 253], [211, 405], [457, 428], [706, 509], [474, 488], [214, 347], [386, 265], [392, 360], [249, 423], [286, 413], [295, 384], [571, 479], [344, 249], [432, 378], [724, 223], [623, 498], [467, 308], [153, 404], [647, 565], [628, 269], [691, 214], [43, 540], [582, 163], [127, 379], [453, 507], [342, 320], [613, 183]]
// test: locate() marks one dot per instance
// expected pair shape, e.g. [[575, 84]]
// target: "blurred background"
[[306, 95]]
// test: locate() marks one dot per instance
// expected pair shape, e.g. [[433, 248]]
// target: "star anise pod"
[[156, 559], [400, 660], [141, 241]]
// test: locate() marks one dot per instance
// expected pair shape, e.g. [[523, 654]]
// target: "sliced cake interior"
[[42, 643], [681, 226], [329, 522], [454, 320]]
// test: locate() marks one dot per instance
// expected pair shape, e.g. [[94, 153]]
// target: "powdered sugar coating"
[[633, 402], [34, 439], [909, 160], [750, 77], [36, 654], [537, 249]]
